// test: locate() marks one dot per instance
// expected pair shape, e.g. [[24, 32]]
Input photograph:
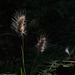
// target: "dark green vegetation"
[[54, 18]]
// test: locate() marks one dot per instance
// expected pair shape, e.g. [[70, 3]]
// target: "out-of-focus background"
[[54, 18]]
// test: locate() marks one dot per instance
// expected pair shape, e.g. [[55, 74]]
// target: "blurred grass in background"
[[55, 18]]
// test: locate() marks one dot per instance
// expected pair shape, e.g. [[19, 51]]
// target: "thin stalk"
[[33, 65], [23, 55], [34, 62]]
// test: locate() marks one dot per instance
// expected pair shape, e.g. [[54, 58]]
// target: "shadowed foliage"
[[55, 18]]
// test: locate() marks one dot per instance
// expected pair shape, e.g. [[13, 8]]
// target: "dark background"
[[55, 18]]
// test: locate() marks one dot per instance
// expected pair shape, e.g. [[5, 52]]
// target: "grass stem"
[[23, 55]]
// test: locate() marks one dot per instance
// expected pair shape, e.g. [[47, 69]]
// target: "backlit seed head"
[[18, 24], [41, 44]]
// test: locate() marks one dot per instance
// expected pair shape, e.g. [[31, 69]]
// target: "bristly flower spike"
[[18, 24], [41, 44]]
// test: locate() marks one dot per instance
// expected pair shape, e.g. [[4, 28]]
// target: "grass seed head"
[[42, 44], [18, 23], [20, 26]]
